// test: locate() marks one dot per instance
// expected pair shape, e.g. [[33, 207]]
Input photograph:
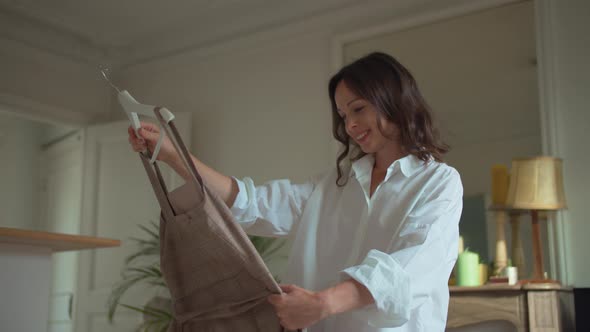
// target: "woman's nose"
[[350, 123]]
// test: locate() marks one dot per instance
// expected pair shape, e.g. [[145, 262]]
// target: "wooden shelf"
[[55, 241], [547, 307], [484, 288], [506, 287]]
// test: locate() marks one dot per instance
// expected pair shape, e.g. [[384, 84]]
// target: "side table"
[[529, 307]]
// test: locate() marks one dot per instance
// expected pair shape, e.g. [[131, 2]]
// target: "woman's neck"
[[384, 159]]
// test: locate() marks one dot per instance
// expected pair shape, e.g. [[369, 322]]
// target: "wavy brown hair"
[[381, 80]]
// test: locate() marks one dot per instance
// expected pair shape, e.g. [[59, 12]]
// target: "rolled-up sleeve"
[[270, 209], [419, 260], [388, 283]]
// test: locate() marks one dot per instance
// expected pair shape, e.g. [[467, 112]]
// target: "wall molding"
[[359, 15], [76, 47], [72, 46], [50, 39], [437, 12], [29, 108], [34, 110]]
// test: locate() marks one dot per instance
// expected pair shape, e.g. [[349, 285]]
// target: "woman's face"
[[360, 118]]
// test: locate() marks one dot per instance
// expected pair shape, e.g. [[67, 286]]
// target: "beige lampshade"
[[536, 184]]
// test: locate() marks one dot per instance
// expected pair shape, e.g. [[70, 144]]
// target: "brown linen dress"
[[217, 280]]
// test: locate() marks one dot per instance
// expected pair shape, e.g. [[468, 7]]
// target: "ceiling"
[[115, 27]]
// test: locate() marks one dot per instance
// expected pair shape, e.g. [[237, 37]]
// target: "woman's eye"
[[356, 110]]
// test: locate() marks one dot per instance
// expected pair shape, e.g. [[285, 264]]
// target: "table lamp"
[[536, 184]]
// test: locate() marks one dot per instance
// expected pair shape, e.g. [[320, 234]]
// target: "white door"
[[60, 202], [117, 197]]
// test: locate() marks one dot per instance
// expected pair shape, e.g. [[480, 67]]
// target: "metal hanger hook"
[[105, 73]]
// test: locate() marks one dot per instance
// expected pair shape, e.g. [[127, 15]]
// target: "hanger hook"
[[105, 73]]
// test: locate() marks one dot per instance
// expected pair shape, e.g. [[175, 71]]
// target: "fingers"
[[138, 144], [288, 288], [149, 127], [131, 132], [275, 299], [145, 127], [279, 302], [148, 133]]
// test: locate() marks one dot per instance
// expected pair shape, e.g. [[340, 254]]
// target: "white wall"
[[45, 91], [49, 86], [21, 142], [19, 184], [54, 133], [569, 26], [261, 111], [240, 90], [477, 72], [261, 106], [261, 102]]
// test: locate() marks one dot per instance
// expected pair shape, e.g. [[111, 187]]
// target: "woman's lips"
[[362, 137]]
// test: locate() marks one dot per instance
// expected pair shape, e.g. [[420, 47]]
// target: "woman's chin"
[[366, 149]]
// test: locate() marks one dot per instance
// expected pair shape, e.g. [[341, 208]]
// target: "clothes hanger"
[[132, 108]]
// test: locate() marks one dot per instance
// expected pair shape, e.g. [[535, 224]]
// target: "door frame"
[[33, 110], [62, 301]]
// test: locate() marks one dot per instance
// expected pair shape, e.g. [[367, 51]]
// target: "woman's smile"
[[362, 137]]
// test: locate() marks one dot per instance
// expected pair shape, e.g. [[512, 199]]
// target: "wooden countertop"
[[55, 241], [506, 287]]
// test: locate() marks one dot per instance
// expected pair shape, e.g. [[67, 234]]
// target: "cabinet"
[[529, 307], [25, 274]]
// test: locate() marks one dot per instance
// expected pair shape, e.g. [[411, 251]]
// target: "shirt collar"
[[408, 165]]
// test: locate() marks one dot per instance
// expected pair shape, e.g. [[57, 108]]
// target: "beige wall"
[[477, 73], [260, 111], [21, 142], [19, 182], [50, 87], [260, 106]]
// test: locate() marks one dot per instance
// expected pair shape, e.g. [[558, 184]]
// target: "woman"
[[375, 239]]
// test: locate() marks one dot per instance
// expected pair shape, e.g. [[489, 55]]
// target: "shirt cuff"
[[388, 283], [241, 201], [240, 207]]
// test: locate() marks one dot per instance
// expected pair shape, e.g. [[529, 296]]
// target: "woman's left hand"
[[298, 308]]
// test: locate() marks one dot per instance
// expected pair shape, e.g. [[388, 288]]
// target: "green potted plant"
[[142, 268]]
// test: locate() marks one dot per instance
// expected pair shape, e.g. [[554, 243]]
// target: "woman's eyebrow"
[[348, 103], [352, 101]]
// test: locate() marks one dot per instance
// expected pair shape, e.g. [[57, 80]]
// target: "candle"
[[483, 273], [461, 245], [468, 269], [512, 273], [499, 184]]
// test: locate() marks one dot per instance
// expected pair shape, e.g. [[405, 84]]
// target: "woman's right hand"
[[224, 186], [149, 134]]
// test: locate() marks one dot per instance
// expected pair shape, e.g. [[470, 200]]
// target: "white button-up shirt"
[[401, 242]]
